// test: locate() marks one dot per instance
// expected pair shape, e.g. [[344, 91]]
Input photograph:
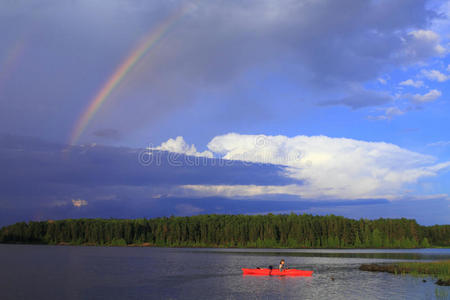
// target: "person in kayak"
[[283, 266]]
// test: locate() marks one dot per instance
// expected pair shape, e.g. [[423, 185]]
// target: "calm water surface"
[[59, 272]]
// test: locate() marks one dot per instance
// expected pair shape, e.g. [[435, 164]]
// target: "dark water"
[[58, 272]]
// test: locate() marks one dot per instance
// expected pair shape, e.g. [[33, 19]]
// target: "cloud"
[[40, 181], [410, 82], [178, 145], [423, 98], [322, 46], [430, 212], [422, 44], [94, 167], [439, 144], [79, 202], [314, 167], [393, 111], [38, 174], [382, 80], [243, 191], [330, 168], [361, 98], [107, 133], [389, 113], [435, 75], [188, 209]]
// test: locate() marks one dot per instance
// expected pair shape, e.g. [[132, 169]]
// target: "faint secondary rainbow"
[[9, 62], [121, 72]]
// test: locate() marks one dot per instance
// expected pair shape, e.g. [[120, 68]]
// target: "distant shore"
[[150, 245], [437, 269], [232, 247], [284, 231]]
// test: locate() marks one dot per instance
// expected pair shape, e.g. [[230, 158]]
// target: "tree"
[[233, 230], [425, 243]]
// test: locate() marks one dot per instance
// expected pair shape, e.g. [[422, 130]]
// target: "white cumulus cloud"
[[435, 75], [410, 82], [422, 44], [178, 145], [422, 98], [327, 168]]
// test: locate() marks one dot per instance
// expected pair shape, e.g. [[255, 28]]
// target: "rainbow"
[[12, 57], [148, 42]]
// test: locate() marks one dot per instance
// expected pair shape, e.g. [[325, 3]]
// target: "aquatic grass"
[[437, 269], [441, 293]]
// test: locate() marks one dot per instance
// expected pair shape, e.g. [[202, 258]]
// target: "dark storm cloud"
[[39, 174], [71, 48], [30, 160]]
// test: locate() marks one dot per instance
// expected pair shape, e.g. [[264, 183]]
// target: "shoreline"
[[146, 244]]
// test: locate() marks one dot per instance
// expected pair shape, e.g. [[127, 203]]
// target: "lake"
[[71, 272]]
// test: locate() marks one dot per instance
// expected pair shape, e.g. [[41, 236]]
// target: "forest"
[[260, 231]]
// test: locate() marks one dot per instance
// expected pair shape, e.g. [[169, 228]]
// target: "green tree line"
[[268, 231]]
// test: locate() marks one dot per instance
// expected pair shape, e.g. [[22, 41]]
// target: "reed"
[[436, 269]]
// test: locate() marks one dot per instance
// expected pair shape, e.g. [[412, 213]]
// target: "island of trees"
[[268, 231]]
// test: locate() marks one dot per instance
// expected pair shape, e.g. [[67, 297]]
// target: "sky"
[[130, 109]]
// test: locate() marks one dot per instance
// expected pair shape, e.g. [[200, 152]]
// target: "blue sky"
[[344, 105]]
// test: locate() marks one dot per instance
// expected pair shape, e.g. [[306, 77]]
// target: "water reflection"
[[413, 254]]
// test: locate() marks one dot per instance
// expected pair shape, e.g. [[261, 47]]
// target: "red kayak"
[[288, 272]]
